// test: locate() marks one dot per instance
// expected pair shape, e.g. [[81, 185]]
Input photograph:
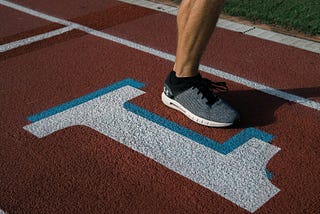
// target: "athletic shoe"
[[194, 97]]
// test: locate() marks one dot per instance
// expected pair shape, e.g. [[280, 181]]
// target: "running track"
[[84, 130]]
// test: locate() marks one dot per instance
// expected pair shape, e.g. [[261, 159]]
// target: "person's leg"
[[184, 88], [196, 21]]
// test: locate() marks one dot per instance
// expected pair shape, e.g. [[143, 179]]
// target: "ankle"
[[186, 71], [176, 80]]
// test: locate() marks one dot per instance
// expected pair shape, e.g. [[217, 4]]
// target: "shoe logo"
[[235, 169], [167, 92]]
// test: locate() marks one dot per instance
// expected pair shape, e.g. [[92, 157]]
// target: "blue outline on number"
[[223, 148], [83, 99]]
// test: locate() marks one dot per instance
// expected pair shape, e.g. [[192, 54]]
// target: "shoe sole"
[[177, 106]]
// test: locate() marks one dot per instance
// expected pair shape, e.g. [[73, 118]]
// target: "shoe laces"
[[207, 87]]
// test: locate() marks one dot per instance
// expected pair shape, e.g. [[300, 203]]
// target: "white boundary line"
[[241, 28], [27, 41], [260, 87]]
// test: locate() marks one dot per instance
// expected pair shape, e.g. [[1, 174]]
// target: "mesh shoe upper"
[[196, 95]]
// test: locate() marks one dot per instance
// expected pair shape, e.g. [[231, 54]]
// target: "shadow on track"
[[258, 109]]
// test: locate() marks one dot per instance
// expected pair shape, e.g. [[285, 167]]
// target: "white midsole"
[[175, 105]]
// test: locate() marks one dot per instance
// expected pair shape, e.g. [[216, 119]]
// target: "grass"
[[299, 15]]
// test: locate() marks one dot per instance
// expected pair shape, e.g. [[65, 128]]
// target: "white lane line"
[[153, 5], [237, 27], [263, 88], [260, 87], [27, 41], [34, 13]]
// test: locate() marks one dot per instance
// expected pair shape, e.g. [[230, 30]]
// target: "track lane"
[[125, 180]]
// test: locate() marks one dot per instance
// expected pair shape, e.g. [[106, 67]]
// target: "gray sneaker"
[[195, 98]]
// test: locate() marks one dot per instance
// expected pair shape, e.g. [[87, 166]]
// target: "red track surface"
[[80, 170]]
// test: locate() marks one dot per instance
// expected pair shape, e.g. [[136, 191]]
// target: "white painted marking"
[[238, 176], [260, 87], [153, 5], [237, 27], [27, 41], [35, 13]]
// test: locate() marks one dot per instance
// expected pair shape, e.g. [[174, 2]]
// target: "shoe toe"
[[223, 112]]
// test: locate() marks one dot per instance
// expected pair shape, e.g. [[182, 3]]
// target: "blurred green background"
[[299, 15]]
